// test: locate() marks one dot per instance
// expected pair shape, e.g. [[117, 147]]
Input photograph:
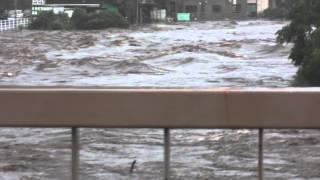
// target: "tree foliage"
[[47, 20], [280, 9], [98, 20], [81, 20], [304, 32]]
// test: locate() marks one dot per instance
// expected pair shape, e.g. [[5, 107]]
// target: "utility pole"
[[15, 12], [141, 12], [137, 11], [176, 8]]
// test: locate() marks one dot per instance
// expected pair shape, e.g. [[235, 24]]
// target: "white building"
[[262, 5]]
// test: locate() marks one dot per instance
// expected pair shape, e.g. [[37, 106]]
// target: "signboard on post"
[[183, 17], [38, 2]]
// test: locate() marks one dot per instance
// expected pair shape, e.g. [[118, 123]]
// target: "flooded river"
[[198, 55]]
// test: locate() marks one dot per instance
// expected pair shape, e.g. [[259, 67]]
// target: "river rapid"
[[189, 55]]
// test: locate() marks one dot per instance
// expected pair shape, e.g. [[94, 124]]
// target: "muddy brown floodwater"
[[197, 55]]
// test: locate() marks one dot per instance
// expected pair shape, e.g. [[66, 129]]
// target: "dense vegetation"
[[84, 21], [303, 31], [281, 10], [50, 21], [81, 20]]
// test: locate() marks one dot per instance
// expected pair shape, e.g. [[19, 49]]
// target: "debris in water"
[[133, 166]]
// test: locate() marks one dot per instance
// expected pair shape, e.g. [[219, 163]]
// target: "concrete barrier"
[[160, 108]]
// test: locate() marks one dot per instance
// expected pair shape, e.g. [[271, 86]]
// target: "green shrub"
[[78, 18], [281, 10], [47, 20], [278, 13], [99, 20]]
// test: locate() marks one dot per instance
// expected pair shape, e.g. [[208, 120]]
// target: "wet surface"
[[201, 55], [210, 54]]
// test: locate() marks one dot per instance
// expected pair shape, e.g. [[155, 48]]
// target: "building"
[[136, 11], [262, 5], [68, 6], [141, 11], [15, 4], [60, 6], [8, 7], [256, 7], [217, 9]]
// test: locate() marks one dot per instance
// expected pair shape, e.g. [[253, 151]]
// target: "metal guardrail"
[[160, 108], [11, 24]]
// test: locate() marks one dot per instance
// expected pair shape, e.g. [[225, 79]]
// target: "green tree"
[[47, 20], [280, 9], [303, 31], [82, 20]]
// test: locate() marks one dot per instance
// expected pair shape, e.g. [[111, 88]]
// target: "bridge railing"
[[221, 108]]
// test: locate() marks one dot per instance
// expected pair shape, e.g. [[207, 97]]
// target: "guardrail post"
[[75, 154], [166, 154], [260, 155]]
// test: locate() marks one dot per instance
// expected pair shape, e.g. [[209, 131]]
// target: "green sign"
[[183, 16], [110, 8]]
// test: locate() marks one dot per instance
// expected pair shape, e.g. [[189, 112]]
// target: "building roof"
[[74, 5]]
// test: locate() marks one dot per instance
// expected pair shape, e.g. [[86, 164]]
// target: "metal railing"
[[221, 108], [11, 24]]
